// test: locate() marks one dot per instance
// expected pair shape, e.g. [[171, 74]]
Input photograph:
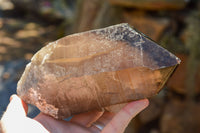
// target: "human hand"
[[15, 120]]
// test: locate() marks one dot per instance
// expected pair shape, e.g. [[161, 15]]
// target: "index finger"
[[121, 120]]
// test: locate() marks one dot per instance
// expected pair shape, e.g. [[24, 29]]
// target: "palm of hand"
[[15, 120]]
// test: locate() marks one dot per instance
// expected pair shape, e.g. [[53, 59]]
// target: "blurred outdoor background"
[[28, 25]]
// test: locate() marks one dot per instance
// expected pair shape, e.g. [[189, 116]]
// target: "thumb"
[[15, 111], [16, 107]]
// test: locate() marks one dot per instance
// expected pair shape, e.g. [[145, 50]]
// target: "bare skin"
[[15, 120]]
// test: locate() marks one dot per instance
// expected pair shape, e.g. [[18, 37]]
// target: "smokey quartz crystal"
[[94, 70]]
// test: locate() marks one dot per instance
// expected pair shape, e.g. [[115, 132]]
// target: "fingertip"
[[142, 102], [17, 103], [136, 106], [145, 102]]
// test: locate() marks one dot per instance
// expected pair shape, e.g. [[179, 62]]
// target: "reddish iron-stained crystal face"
[[94, 70]]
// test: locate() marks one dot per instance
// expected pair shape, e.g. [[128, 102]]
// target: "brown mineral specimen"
[[95, 69]]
